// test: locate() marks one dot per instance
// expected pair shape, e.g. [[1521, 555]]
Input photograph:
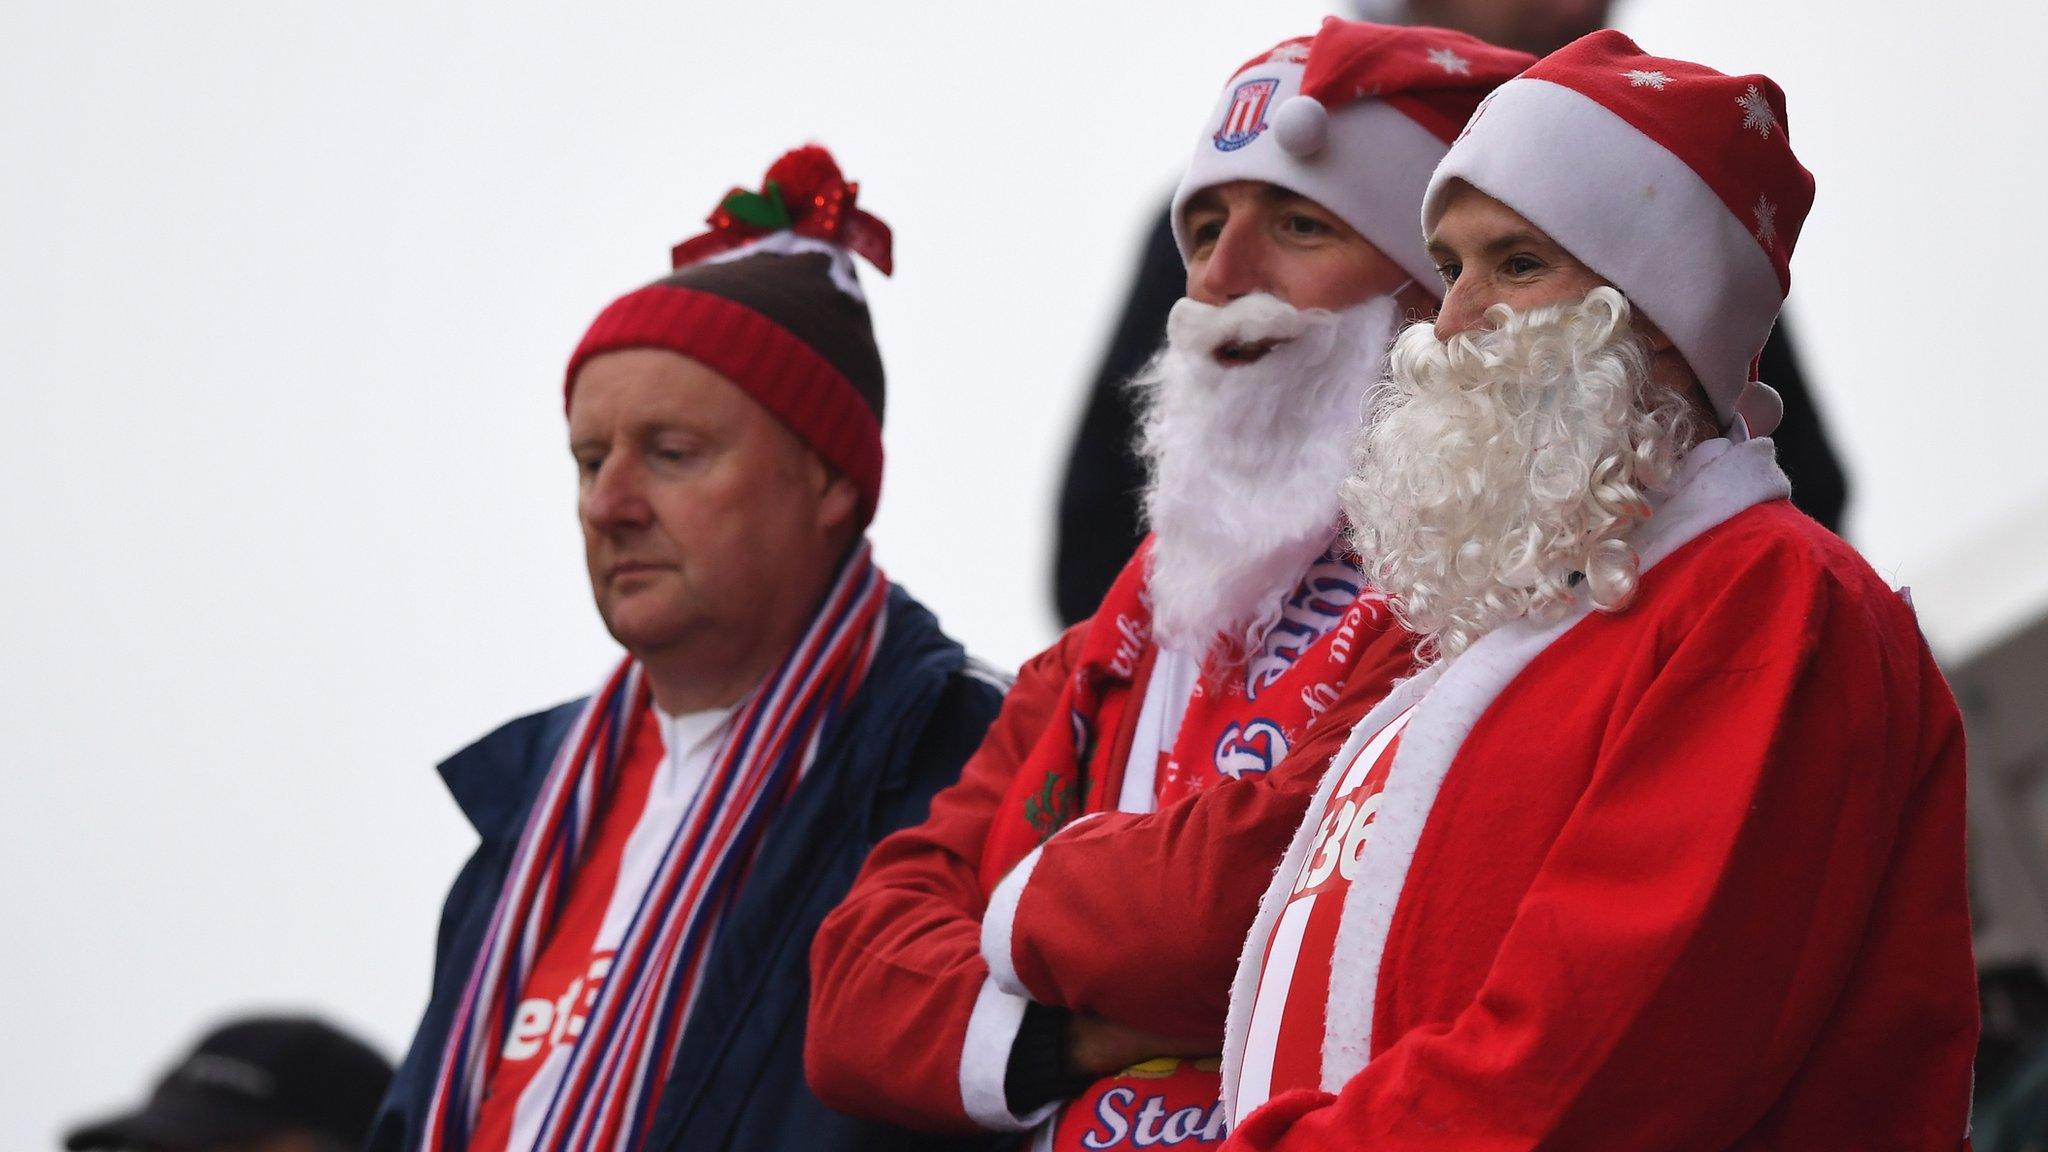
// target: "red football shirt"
[[660, 772], [1284, 1046]]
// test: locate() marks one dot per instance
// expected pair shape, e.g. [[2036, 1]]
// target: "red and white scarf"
[[1242, 717], [615, 1074]]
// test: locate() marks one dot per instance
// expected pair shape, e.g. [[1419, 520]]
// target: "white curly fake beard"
[[1245, 456], [1504, 468]]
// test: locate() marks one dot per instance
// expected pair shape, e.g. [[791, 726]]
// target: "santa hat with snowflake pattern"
[[1353, 118], [1675, 183]]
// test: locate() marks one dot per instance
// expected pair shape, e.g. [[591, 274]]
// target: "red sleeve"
[[896, 969], [1753, 927], [1140, 918]]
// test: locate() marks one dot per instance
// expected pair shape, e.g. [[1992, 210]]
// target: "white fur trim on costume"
[[1269, 1005], [1371, 167], [1637, 215], [999, 920], [1244, 989], [1722, 481], [790, 244], [985, 1062]]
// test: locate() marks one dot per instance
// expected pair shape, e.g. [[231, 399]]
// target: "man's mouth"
[[626, 568], [1238, 352]]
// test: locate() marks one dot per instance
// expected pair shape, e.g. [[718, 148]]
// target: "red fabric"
[[1344, 829], [1067, 772], [1729, 129], [1164, 1103], [896, 968], [1159, 954], [1436, 77], [561, 984], [1694, 881], [1242, 720], [1121, 1110], [819, 202], [1184, 1109], [782, 373], [1230, 727]]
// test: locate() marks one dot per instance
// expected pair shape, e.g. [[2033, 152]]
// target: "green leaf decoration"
[[761, 211]]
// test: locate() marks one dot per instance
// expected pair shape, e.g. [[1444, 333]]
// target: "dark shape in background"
[[256, 1084]]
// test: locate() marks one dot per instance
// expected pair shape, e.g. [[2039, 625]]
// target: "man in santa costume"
[[1664, 847], [1238, 627], [623, 964]]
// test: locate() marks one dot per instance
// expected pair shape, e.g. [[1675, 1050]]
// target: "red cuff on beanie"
[[782, 373]]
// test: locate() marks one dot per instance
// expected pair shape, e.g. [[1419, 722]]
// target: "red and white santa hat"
[[1354, 118], [1673, 182]]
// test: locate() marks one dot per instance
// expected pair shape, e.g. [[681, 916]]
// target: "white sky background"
[[285, 292]]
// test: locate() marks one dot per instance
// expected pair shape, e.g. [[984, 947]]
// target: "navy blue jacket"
[[739, 1078]]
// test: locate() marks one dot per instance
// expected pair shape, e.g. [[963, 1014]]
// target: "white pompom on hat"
[[1671, 181], [1354, 118]]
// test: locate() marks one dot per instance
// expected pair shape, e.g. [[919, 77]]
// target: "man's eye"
[[1448, 272], [1304, 225], [1522, 265], [1205, 234]]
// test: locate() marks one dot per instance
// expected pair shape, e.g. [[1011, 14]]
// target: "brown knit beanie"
[[768, 299]]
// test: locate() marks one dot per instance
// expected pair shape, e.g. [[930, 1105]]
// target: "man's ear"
[[838, 501], [1658, 341]]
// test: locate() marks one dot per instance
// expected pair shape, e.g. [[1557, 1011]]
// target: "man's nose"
[[1464, 309], [1239, 264], [615, 498]]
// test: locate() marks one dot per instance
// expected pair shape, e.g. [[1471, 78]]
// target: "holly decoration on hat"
[[803, 193], [763, 210]]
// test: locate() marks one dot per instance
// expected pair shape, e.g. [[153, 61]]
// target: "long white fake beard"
[[1245, 460], [1503, 467]]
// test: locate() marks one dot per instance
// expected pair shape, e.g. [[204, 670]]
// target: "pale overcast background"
[[286, 289]]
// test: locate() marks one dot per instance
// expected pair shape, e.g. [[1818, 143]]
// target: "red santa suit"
[[1687, 876], [907, 1022]]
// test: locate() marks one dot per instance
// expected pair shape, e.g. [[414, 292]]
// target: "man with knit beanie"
[[1664, 847], [1237, 633], [622, 963]]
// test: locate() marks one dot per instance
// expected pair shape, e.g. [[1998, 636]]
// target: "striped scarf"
[[628, 1046]]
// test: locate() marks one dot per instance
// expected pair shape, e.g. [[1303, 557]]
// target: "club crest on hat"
[[1245, 118]]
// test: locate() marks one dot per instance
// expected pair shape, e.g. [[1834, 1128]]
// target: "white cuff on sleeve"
[[999, 921], [985, 1062]]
